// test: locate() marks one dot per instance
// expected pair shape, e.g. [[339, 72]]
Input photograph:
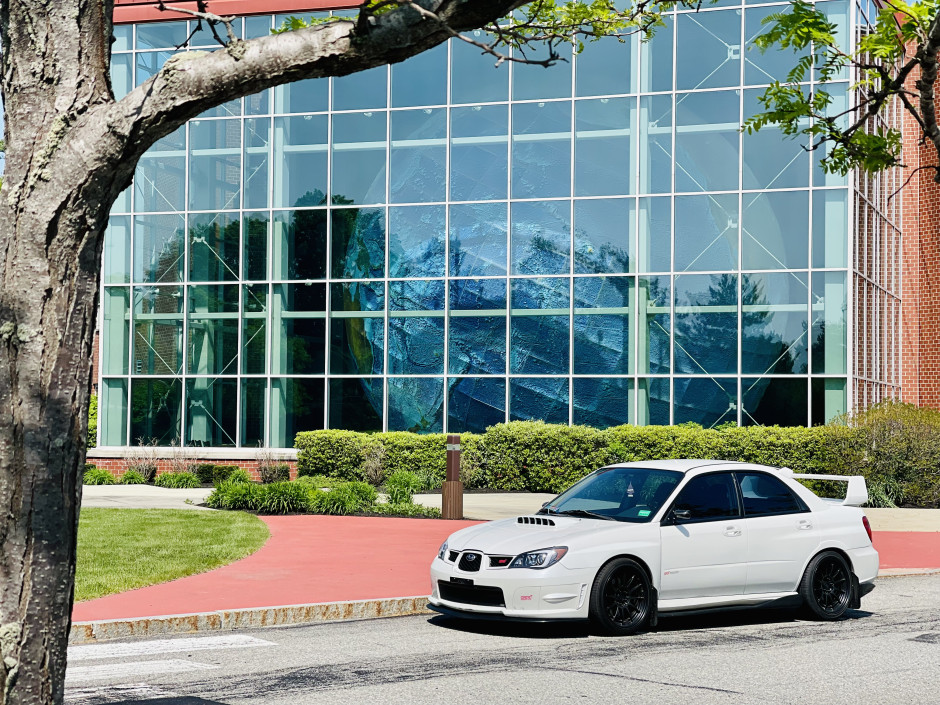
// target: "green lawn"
[[123, 549]]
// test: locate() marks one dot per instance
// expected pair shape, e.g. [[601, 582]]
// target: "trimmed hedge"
[[895, 446]]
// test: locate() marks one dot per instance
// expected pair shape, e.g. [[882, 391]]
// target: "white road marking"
[[115, 694], [132, 669], [94, 652]]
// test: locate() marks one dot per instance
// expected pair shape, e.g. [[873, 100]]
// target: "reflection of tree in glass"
[[155, 411], [763, 348], [307, 257], [214, 250], [165, 265]]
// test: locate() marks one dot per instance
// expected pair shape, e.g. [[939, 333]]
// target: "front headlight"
[[542, 558], [443, 551]]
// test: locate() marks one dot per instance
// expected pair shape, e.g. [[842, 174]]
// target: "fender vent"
[[538, 521]]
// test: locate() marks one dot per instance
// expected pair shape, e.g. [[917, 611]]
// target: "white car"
[[634, 540]]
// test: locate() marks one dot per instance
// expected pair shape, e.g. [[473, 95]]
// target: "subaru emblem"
[[471, 557]]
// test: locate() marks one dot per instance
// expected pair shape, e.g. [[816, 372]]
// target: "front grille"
[[500, 561], [471, 594], [452, 556], [540, 521], [470, 562]]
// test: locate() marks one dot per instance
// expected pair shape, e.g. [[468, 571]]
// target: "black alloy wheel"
[[826, 587], [621, 598]]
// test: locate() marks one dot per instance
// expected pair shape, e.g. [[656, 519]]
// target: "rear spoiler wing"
[[856, 494]]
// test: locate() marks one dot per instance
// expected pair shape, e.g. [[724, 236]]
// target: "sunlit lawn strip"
[[123, 549]]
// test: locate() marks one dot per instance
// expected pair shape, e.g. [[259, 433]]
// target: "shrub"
[[372, 469], [284, 498], [347, 498], [177, 480], [236, 495], [318, 481], [97, 476], [472, 461], [333, 453], [142, 459], [406, 510], [182, 461], [425, 455], [212, 474], [132, 477], [92, 438], [273, 472], [237, 475], [400, 487]]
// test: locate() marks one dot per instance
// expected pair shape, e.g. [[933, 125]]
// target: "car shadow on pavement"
[[672, 623], [182, 700]]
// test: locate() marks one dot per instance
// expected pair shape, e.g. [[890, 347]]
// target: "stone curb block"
[[227, 620]]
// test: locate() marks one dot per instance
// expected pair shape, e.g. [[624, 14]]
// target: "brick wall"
[[920, 330], [117, 466]]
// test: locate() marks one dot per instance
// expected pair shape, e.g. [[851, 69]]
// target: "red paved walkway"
[[311, 559]]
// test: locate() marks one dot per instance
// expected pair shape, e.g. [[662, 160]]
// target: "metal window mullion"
[[509, 238], [445, 398], [328, 327], [238, 281], [184, 397], [387, 273], [571, 194]]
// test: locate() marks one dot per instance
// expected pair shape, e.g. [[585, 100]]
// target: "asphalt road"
[[888, 652]]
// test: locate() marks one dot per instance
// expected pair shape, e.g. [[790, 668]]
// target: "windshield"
[[619, 494]]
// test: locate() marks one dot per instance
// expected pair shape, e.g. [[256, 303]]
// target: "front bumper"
[[516, 593]]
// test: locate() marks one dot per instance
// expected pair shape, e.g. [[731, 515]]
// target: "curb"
[[901, 572], [253, 618]]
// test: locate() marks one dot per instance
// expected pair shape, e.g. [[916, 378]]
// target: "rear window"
[[763, 494]]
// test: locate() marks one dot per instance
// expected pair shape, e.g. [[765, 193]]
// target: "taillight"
[[867, 528]]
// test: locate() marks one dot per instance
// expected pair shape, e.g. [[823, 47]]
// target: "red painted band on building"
[[132, 11]]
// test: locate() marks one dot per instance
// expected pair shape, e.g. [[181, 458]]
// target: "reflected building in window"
[[442, 245]]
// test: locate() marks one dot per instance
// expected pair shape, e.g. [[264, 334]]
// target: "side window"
[[764, 494], [709, 497]]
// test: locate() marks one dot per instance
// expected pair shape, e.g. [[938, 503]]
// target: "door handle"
[[804, 525], [732, 531]]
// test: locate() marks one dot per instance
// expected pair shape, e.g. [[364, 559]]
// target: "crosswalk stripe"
[[128, 669], [100, 695], [93, 652]]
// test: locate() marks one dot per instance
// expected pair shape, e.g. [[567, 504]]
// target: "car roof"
[[686, 465]]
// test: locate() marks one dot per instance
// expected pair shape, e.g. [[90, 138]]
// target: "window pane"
[[117, 250], [771, 159], [830, 228], [256, 176], [478, 326], [829, 400], [416, 345], [416, 241], [531, 82], [706, 337], [298, 339], [214, 164], [707, 141], [161, 176], [829, 325], [607, 66], [358, 243], [254, 328], [112, 410], [211, 412], [421, 80], [309, 96], [149, 63], [541, 237], [772, 401], [296, 405], [709, 497], [121, 74], [115, 330], [475, 78], [213, 330], [416, 404], [655, 155], [604, 160], [357, 328], [653, 297], [416, 295], [655, 234], [161, 35], [706, 232], [158, 331], [478, 242], [474, 403], [775, 230], [604, 230], [254, 402], [299, 244], [708, 49], [602, 325], [539, 344], [761, 67], [255, 245], [774, 311], [417, 168], [356, 404], [652, 402], [155, 411], [479, 161], [538, 398], [362, 90], [764, 494], [541, 149], [602, 402], [214, 242], [300, 149], [359, 141], [656, 59], [708, 401]]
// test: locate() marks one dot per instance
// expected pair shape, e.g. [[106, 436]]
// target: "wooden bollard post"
[[452, 500]]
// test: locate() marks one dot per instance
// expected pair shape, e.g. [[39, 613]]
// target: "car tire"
[[826, 587], [621, 598]]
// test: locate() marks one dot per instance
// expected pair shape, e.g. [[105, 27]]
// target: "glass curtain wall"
[[441, 245]]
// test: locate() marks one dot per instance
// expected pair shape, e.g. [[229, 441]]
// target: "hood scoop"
[[537, 521]]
